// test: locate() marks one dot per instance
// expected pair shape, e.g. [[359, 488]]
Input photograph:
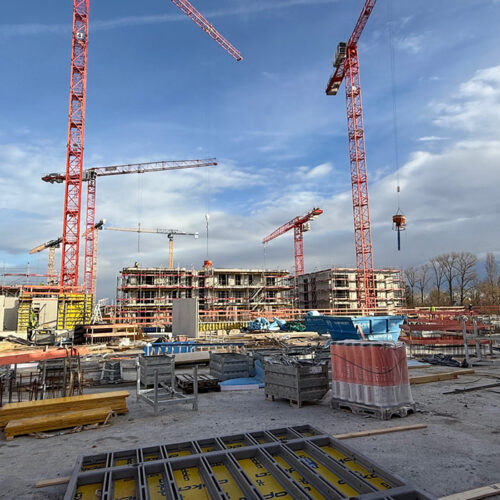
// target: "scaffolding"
[[335, 288], [145, 295]]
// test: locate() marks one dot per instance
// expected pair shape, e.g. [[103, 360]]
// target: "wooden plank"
[[44, 483], [483, 492], [437, 377], [186, 358], [18, 357], [56, 421], [470, 389], [114, 399], [376, 432]]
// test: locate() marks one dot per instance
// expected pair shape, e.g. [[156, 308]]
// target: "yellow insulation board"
[[371, 477], [190, 484]]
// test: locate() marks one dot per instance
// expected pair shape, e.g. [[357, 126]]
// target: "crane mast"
[[76, 135], [346, 64], [299, 225], [90, 176], [74, 152], [51, 265]]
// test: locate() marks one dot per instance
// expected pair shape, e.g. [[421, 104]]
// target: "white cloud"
[[411, 43], [432, 138], [242, 8], [475, 106], [320, 170]]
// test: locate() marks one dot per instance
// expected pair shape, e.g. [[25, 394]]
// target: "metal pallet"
[[291, 462]]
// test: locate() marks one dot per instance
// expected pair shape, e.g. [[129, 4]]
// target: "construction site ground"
[[459, 450]]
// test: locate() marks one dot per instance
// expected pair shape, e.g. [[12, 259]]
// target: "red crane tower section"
[[90, 176], [74, 155], [299, 226], [76, 129], [346, 65]]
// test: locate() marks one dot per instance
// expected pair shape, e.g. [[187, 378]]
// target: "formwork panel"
[[296, 463]]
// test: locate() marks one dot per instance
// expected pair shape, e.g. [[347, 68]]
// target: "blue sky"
[[160, 89]]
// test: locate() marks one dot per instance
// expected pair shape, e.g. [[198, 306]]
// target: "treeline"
[[452, 279]]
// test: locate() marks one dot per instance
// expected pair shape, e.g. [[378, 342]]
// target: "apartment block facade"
[[335, 288], [149, 291]]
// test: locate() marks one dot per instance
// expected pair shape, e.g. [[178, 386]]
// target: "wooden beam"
[[44, 483], [55, 421], [375, 432], [437, 377], [476, 494], [17, 357], [116, 400]]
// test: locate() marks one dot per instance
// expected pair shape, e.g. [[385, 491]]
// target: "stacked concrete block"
[[370, 374]]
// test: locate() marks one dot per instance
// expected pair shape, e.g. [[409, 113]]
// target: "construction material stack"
[[60, 413], [371, 378]]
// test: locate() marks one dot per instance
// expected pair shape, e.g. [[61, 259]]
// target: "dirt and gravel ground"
[[459, 450]]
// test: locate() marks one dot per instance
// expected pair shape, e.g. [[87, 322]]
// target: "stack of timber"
[[60, 413], [206, 383]]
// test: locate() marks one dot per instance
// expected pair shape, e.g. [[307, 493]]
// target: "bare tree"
[[447, 262], [422, 280], [465, 266], [438, 276], [411, 278], [491, 269], [491, 285]]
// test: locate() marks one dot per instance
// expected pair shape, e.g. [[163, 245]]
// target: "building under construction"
[[146, 293], [336, 288], [43, 307]]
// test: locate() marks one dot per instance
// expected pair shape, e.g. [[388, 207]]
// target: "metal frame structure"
[[74, 152], [168, 232], [169, 395], [297, 462], [347, 67], [299, 225], [90, 176], [75, 144], [207, 27], [51, 264]]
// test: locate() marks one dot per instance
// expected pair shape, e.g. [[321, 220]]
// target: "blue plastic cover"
[[346, 327]]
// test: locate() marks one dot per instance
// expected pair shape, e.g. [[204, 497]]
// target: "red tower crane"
[[346, 65], [90, 176], [299, 225], [207, 27], [76, 129]]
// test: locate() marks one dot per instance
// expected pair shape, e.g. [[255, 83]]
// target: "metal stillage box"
[[225, 366], [164, 364], [298, 381]]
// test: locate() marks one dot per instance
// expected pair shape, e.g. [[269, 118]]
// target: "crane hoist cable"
[[398, 219]]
